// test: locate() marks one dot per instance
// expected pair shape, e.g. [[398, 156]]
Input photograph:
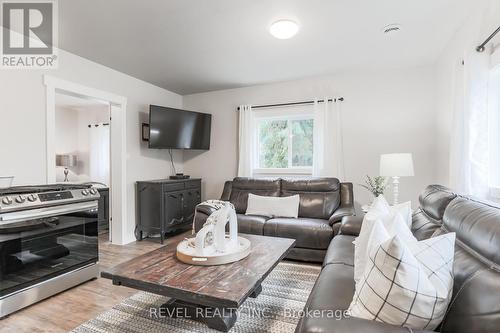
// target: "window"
[[285, 144], [494, 133]]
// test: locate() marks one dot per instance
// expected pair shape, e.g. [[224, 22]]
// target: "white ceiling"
[[190, 46]]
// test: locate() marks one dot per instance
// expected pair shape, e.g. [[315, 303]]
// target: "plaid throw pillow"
[[383, 212], [407, 284]]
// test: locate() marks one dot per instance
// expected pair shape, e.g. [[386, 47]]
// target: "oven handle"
[[47, 212]]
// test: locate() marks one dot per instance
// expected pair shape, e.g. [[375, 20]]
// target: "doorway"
[[82, 147], [111, 106]]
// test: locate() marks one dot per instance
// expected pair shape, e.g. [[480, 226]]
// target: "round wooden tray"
[[186, 254]]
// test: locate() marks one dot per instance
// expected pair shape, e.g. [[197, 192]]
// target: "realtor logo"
[[29, 34]]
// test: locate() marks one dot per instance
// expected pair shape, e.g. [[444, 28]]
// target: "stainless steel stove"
[[48, 241]]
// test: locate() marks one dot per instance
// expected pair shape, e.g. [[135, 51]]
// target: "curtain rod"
[[481, 47], [97, 125], [340, 99]]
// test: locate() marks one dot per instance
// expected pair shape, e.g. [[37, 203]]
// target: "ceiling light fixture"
[[284, 29]]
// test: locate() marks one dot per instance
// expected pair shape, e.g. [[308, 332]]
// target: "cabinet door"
[[191, 199], [173, 208]]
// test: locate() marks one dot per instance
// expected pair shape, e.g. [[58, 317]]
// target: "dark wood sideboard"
[[166, 205]]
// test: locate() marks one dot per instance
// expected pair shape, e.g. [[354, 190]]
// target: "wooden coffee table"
[[210, 294]]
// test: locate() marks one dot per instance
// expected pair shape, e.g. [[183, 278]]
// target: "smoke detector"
[[391, 29]]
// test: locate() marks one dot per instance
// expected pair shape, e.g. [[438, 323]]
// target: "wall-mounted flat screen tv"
[[171, 128]]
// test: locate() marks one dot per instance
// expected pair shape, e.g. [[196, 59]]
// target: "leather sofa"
[[475, 304], [323, 203]]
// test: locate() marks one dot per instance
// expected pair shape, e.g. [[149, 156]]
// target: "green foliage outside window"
[[285, 143], [302, 143]]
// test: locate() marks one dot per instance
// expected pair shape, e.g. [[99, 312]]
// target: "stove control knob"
[[85, 192], [6, 201], [20, 199], [93, 191], [31, 198]]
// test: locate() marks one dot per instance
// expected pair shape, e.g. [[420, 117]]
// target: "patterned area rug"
[[276, 309]]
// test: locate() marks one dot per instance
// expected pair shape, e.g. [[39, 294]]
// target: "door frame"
[[118, 136]]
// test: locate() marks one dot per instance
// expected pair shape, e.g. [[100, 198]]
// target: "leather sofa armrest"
[[205, 209], [226, 192], [340, 213], [351, 225], [201, 214], [346, 207]]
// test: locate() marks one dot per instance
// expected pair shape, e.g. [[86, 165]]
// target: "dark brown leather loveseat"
[[323, 203], [475, 304]]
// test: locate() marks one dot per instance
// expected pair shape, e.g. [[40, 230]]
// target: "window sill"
[[278, 171], [495, 192]]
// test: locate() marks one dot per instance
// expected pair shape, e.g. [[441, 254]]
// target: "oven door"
[[39, 244]]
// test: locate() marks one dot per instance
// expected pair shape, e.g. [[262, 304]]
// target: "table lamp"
[[396, 166], [66, 161]]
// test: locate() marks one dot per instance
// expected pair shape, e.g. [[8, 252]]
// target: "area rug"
[[277, 309]]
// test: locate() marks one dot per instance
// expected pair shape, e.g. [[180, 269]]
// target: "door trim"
[[118, 106]]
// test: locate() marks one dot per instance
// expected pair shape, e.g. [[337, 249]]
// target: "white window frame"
[[282, 113]]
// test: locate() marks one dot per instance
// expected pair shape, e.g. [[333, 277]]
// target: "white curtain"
[[99, 152], [328, 157], [469, 145], [246, 141]]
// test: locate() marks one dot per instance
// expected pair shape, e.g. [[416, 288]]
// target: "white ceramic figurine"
[[212, 246]]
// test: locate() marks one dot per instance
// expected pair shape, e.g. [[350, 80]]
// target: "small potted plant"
[[376, 185]]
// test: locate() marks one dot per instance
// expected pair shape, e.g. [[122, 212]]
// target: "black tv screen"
[[178, 129]]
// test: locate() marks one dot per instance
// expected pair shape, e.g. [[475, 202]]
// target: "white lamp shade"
[[66, 160], [396, 165]]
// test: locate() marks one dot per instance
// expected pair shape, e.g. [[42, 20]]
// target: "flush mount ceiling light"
[[391, 28], [284, 29]]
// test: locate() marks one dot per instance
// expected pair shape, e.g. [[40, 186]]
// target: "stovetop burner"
[[43, 188]]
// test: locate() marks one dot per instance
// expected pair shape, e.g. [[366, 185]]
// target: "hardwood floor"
[[73, 307]]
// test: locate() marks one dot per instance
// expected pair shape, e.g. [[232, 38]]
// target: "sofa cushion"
[[308, 233], [334, 288], [340, 251], [241, 186], [475, 305], [251, 224], [319, 197], [332, 294], [422, 226], [434, 199], [477, 225]]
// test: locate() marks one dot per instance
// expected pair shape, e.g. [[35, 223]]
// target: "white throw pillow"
[[379, 207], [392, 225], [405, 210], [407, 284], [383, 230], [273, 206], [380, 210]]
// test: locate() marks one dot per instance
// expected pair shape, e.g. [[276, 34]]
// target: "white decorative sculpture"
[[212, 246]]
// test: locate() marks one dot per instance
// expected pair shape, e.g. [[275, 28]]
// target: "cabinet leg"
[[138, 233]]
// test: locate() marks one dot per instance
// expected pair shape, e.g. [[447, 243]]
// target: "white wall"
[[72, 136], [465, 40], [67, 139], [383, 112], [22, 122]]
